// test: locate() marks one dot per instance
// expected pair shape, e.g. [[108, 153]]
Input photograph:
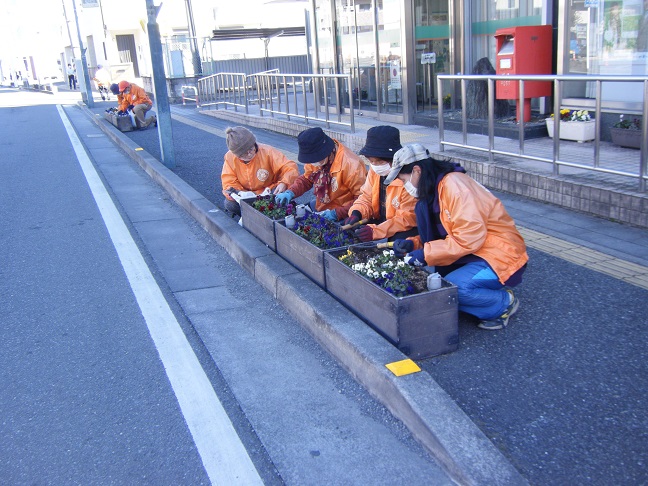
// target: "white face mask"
[[382, 170], [409, 187]]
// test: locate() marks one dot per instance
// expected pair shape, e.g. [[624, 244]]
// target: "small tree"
[[477, 94]]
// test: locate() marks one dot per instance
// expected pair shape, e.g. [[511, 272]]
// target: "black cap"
[[382, 141], [314, 145]]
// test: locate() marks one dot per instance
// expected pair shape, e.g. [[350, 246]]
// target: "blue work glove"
[[365, 233], [416, 258], [402, 247], [130, 107], [354, 218], [329, 214], [284, 198]]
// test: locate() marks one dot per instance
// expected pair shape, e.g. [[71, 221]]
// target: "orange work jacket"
[[348, 172], [399, 206], [268, 168], [477, 223], [137, 96]]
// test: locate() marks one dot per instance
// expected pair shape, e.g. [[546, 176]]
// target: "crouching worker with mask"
[[136, 100], [465, 233], [333, 171], [254, 167], [389, 209]]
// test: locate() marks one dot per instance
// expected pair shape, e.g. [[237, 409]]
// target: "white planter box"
[[579, 131]]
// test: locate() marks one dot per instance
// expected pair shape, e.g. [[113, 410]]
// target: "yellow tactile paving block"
[[629, 272], [639, 281]]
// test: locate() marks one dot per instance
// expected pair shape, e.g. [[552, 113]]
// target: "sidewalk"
[[431, 411]]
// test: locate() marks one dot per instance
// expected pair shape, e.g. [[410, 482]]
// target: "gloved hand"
[[354, 218], [329, 214], [130, 107], [402, 247], [365, 233], [284, 198], [416, 258], [119, 112]]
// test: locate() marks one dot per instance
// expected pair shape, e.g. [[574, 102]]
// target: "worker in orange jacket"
[[136, 100], [252, 166], [390, 209], [332, 170], [465, 232]]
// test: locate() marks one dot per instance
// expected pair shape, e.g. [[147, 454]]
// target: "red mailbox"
[[524, 50]]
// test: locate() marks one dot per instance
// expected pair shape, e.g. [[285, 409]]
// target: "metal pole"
[[89, 100], [643, 163], [440, 114], [165, 133]]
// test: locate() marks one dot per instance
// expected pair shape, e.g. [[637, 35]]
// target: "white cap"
[[405, 156]]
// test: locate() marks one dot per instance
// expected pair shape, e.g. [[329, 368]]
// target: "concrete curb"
[[433, 418]]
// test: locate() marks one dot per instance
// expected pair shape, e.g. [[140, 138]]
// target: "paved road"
[[93, 390], [561, 391]]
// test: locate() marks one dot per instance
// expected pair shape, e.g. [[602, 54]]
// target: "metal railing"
[[184, 90], [555, 158], [308, 97]]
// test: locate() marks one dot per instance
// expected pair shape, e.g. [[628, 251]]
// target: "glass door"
[[432, 34]]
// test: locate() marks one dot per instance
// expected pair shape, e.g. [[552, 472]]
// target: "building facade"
[[396, 48]]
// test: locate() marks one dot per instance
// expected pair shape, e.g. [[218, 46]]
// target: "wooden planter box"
[[258, 223], [626, 138], [578, 131], [301, 253], [122, 123], [421, 325]]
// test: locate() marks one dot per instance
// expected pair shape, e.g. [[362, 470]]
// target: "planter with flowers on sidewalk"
[[575, 125], [627, 133]]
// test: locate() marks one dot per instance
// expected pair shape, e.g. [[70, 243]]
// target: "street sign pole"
[[165, 132], [88, 98]]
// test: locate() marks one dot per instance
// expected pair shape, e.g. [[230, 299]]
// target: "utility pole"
[[195, 56], [165, 134], [89, 100]]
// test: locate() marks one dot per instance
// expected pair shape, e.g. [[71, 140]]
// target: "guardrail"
[[309, 97], [183, 91], [554, 158]]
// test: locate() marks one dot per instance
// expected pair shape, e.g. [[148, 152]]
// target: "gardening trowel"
[[350, 226]]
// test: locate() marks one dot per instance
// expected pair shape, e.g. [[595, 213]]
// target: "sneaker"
[[502, 321]]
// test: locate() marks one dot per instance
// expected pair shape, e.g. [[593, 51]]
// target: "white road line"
[[223, 455]]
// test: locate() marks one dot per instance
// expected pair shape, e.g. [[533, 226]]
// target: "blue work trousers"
[[479, 290]]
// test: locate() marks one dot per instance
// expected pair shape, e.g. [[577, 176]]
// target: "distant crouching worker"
[[136, 100]]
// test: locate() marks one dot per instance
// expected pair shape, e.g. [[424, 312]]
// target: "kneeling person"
[[252, 166]]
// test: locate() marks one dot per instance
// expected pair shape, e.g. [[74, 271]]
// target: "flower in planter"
[[322, 233], [387, 271], [635, 124], [266, 205], [573, 115], [447, 100]]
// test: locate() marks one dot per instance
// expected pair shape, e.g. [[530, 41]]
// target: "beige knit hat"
[[239, 140]]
